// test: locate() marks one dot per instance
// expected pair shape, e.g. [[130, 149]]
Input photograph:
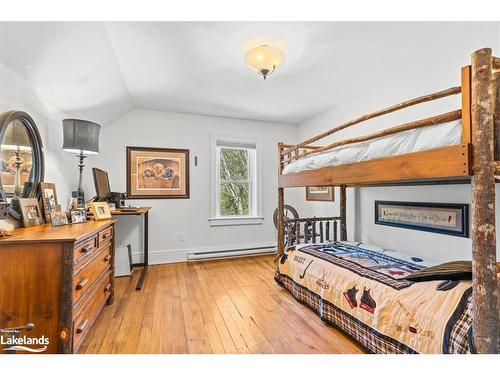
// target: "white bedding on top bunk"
[[446, 134]]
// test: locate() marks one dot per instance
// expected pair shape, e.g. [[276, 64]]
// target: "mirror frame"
[[38, 158]]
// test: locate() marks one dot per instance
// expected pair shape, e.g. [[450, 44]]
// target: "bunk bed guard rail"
[[313, 230]]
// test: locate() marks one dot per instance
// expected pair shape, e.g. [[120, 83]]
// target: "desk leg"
[[146, 252]]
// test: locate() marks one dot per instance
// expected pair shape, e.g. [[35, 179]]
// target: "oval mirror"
[[21, 156]]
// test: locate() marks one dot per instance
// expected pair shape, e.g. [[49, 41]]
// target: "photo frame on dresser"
[[443, 218], [100, 210], [48, 199], [157, 173], [58, 217], [78, 216], [31, 212]]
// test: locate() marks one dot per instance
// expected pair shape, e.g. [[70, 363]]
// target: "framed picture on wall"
[[157, 173], [320, 193], [444, 218]]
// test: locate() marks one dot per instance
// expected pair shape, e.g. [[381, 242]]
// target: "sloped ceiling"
[[100, 71]]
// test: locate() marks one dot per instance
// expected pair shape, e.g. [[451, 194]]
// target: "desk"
[[144, 212]]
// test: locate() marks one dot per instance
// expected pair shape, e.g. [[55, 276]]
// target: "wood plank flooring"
[[221, 306]]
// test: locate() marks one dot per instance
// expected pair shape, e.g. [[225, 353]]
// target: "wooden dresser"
[[59, 279]]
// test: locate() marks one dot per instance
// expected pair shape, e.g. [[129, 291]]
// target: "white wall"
[[169, 217], [17, 94], [400, 83]]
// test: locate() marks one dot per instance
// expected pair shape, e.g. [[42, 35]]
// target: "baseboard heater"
[[218, 254]]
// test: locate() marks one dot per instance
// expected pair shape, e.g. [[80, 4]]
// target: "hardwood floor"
[[222, 306]]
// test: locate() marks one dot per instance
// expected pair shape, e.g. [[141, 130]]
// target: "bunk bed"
[[330, 275]]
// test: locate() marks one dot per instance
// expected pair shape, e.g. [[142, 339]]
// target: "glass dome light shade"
[[264, 59]]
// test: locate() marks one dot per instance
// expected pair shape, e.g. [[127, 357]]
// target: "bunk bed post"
[[466, 105], [343, 223], [484, 280], [496, 116], [281, 205]]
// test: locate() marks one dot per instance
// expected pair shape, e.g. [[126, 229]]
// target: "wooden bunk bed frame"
[[475, 160]]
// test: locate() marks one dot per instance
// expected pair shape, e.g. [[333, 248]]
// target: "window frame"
[[254, 180]]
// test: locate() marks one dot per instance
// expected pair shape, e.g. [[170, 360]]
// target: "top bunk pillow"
[[457, 270]]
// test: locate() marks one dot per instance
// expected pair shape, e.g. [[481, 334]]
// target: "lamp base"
[[79, 193]]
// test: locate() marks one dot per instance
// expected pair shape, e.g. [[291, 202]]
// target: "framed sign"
[[157, 173], [320, 193], [444, 218]]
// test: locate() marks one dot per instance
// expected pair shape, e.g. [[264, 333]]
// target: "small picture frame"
[[31, 212], [320, 193], [78, 216], [72, 204], [48, 198], [100, 210], [58, 217]]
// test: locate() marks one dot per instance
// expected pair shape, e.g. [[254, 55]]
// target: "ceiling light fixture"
[[264, 59]]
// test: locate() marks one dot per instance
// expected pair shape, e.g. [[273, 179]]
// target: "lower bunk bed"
[[371, 294]]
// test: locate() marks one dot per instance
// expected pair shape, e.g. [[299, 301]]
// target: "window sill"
[[235, 220]]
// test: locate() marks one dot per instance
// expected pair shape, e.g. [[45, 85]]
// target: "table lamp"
[[16, 139], [81, 137]]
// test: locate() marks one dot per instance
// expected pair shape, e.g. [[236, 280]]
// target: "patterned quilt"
[[363, 291]]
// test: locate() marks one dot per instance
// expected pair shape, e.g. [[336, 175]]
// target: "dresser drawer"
[[84, 248], [85, 278], [105, 235], [93, 304]]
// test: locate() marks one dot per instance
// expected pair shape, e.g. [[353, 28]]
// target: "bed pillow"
[[458, 270]]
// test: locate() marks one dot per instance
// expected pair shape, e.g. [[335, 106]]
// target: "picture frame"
[[48, 199], [72, 204], [58, 217], [100, 210], [78, 216], [31, 212], [443, 218], [157, 173], [320, 193]]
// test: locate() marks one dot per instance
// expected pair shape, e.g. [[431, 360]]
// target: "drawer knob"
[[105, 235], [86, 249], [82, 326], [107, 258], [108, 288], [81, 284]]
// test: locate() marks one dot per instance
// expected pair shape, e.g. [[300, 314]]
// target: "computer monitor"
[[101, 183]]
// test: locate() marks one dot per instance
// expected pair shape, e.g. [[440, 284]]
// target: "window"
[[235, 188]]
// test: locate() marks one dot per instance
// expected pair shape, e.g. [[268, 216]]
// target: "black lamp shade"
[[81, 136]]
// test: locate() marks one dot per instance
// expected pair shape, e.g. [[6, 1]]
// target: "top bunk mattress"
[[446, 134]]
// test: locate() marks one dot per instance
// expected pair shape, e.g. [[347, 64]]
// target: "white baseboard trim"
[[199, 253]]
